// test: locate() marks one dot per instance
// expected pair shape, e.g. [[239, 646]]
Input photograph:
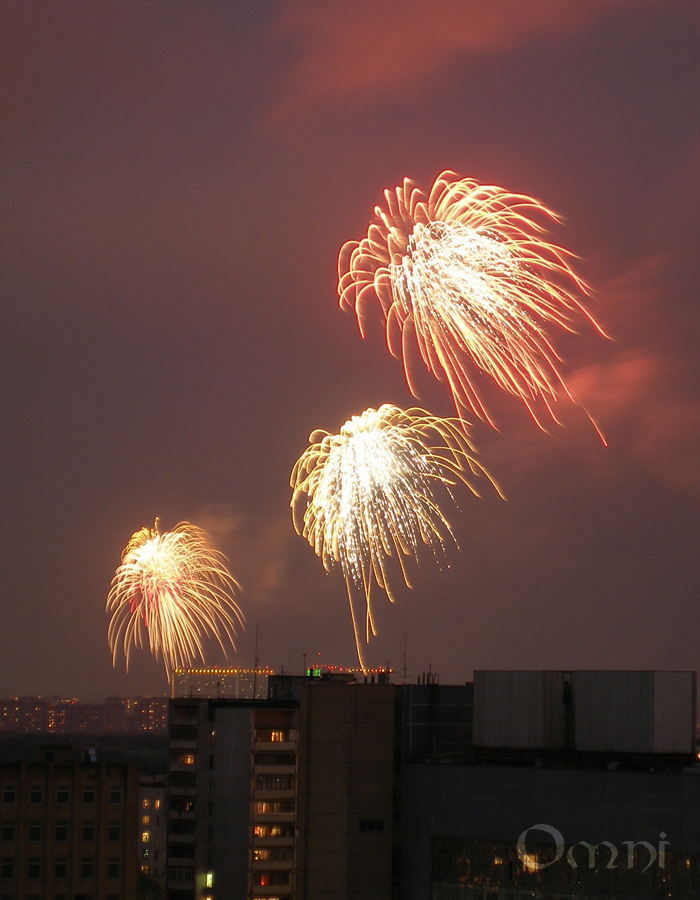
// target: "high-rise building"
[[220, 683], [337, 790]]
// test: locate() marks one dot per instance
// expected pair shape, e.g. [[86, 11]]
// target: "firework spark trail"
[[466, 275], [174, 587], [371, 493]]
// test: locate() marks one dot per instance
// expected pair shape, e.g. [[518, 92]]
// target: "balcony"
[[274, 770], [271, 794], [270, 865], [271, 890], [273, 818], [175, 790], [278, 746], [273, 841], [184, 721], [182, 814], [184, 745], [181, 861], [181, 884], [181, 838], [183, 767]]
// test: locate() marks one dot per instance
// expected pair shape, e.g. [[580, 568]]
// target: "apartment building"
[[68, 829]]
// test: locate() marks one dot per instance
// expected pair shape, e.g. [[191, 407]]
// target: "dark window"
[[34, 868], [274, 782], [178, 874], [115, 796], [34, 832], [183, 734], [35, 793], [88, 831], [60, 869], [182, 780], [181, 851], [372, 826], [274, 759], [61, 832], [7, 869], [185, 827], [89, 794], [8, 793], [7, 832], [86, 868], [112, 868], [62, 794], [265, 878], [113, 831], [181, 806]]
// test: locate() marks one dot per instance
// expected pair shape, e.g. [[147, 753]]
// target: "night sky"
[[176, 180]]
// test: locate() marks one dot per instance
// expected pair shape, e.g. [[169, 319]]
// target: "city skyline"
[[178, 183]]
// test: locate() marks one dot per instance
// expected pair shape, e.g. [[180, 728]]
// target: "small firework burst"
[[171, 590]]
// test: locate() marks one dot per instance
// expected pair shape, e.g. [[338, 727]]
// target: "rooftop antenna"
[[405, 632], [255, 660]]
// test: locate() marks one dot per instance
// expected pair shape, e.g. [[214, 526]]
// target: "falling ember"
[[466, 276], [171, 589], [373, 492]]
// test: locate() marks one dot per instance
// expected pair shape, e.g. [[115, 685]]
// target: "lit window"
[[146, 803], [156, 804], [144, 870], [145, 837], [145, 820], [209, 880]]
